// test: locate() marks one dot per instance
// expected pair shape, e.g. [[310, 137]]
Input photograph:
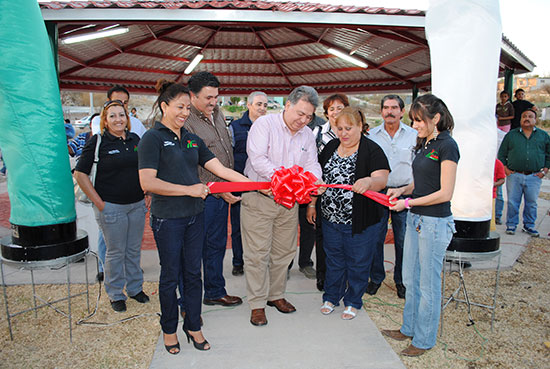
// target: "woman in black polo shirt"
[[430, 224], [118, 202], [168, 168]]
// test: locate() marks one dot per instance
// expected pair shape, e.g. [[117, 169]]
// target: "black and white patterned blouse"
[[337, 203]]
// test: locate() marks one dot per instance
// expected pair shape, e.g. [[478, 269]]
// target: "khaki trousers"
[[269, 234]]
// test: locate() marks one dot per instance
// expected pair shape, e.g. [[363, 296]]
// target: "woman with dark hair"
[[430, 224], [169, 157], [332, 106], [350, 221], [118, 202]]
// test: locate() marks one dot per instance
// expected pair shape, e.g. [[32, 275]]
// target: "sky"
[[524, 23]]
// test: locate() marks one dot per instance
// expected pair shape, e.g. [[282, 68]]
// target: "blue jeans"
[[399, 224], [179, 243], [426, 241], [499, 203], [348, 261], [122, 226], [528, 186], [215, 242], [236, 242]]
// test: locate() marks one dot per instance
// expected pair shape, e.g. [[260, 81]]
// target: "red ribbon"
[[290, 185]]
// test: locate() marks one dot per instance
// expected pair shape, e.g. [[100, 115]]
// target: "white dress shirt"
[[271, 145], [399, 151]]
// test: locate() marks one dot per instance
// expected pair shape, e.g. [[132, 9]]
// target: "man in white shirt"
[[122, 94], [398, 141]]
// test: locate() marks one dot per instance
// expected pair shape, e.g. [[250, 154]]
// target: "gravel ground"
[[518, 341]]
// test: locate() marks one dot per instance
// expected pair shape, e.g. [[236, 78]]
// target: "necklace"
[[430, 140], [346, 153]]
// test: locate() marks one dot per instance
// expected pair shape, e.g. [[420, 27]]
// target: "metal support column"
[[509, 82]]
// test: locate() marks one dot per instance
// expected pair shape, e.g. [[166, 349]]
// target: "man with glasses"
[[269, 230], [257, 107]]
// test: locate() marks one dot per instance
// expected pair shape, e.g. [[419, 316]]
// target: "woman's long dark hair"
[[168, 91], [425, 107]]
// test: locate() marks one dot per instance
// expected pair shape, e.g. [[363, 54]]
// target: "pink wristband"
[[407, 206]]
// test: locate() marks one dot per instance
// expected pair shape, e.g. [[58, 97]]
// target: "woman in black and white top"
[[118, 202], [350, 221]]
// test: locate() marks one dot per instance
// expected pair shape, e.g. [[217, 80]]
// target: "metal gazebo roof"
[[249, 45]]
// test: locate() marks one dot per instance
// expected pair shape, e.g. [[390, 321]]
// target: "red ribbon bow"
[[290, 185]]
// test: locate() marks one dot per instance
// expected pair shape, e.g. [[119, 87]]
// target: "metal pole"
[[87, 289], [6, 298], [34, 294], [509, 81], [69, 300]]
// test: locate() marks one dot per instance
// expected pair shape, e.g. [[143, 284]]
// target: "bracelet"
[[311, 206], [407, 206]]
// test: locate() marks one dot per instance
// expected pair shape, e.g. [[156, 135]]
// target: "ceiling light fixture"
[[347, 57], [95, 35], [193, 64]]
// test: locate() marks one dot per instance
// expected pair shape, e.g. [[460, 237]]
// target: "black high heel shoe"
[[169, 348], [198, 346]]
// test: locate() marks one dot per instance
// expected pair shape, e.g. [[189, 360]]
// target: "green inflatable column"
[[33, 141]]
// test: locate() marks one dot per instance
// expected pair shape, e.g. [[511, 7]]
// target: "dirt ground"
[[518, 340]]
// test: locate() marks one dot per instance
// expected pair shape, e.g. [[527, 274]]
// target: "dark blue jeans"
[[399, 225], [236, 242], [348, 260], [215, 242], [179, 243]]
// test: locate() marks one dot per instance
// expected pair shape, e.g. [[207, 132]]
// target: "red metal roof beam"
[[210, 38], [114, 53], [270, 54]]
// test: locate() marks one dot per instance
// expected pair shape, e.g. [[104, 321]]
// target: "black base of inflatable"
[[14, 252], [485, 244], [43, 235]]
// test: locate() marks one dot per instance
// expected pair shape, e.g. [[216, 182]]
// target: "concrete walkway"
[[305, 339]]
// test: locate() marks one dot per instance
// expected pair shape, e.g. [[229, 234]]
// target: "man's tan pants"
[[269, 234]]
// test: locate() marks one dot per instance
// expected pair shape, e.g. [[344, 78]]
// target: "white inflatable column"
[[465, 39]]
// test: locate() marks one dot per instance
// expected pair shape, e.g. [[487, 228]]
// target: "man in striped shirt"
[[207, 121]]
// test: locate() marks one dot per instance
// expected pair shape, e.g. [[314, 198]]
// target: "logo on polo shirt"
[[191, 143], [135, 148], [113, 152], [434, 155], [169, 143]]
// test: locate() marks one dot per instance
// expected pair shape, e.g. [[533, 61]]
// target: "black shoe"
[[400, 290], [199, 346], [119, 306], [372, 288], [321, 285], [100, 276], [141, 297], [237, 270]]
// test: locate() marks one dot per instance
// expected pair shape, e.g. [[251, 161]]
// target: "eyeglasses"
[[111, 102]]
